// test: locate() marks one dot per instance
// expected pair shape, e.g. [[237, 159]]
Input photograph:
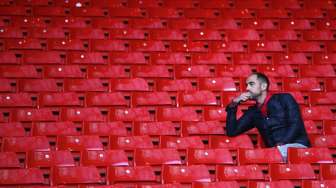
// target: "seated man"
[[277, 117]]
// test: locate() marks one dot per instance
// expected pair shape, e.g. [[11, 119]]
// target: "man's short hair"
[[262, 78]]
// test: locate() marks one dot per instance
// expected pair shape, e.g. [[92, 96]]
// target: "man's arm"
[[235, 127]]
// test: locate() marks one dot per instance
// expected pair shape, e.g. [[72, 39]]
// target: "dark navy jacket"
[[282, 125]]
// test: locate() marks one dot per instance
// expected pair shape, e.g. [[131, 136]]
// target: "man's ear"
[[263, 86]]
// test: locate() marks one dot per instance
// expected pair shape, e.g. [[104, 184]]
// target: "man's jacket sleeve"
[[236, 126]]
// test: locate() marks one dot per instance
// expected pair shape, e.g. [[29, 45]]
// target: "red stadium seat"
[[50, 11], [185, 174], [88, 58], [209, 156], [259, 156], [83, 114], [204, 34], [117, 128], [169, 58], [322, 98], [43, 159], [317, 71], [327, 172], [82, 85], [217, 84], [133, 114], [221, 23], [309, 155], [104, 158], [198, 98], [265, 46], [292, 58], [148, 23], [230, 184], [54, 128], [79, 143], [25, 44], [44, 57], [23, 71], [133, 84], [157, 157], [60, 99], [185, 23], [152, 71], [76, 175], [148, 46], [88, 33], [236, 13], [259, 24], [189, 46], [107, 99], [318, 35], [281, 35], [295, 24], [277, 70], [252, 58], [176, 85], [19, 176], [126, 12], [309, 13], [131, 174], [181, 143], [317, 113], [255, 4], [195, 71], [202, 128], [330, 84], [280, 184], [131, 142], [69, 44], [9, 160], [324, 59], [103, 45], [70, 22], [329, 127], [166, 34], [214, 114], [25, 144], [243, 35], [65, 71], [18, 100], [130, 34], [306, 46], [291, 172], [48, 33], [243, 172], [178, 114], [11, 32], [242, 141], [317, 183], [204, 13], [234, 70], [324, 141], [9, 57], [114, 71], [301, 84], [153, 98], [210, 58], [33, 114], [325, 24], [154, 128], [88, 11]]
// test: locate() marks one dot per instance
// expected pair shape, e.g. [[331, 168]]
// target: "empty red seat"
[[49, 11], [11, 32], [243, 172], [167, 34], [281, 183], [195, 71], [85, 85], [202, 128], [109, 23], [327, 172], [323, 35], [209, 156], [181, 143], [231, 46], [317, 183], [39, 85], [309, 155], [18, 100], [169, 58], [132, 84], [105, 128], [236, 13], [231, 184], [277, 70], [252, 58], [23, 71], [214, 114], [9, 160], [255, 4], [104, 158], [192, 98], [42, 159], [259, 24], [71, 22], [60, 99], [234, 70], [152, 71], [88, 58], [46, 33], [88, 33], [281, 35], [243, 34], [125, 12], [42, 114], [185, 174], [88, 11], [148, 23], [204, 34], [27, 176], [311, 127], [324, 59], [153, 98], [25, 44], [54, 128], [330, 84], [133, 114], [107, 99], [197, 13], [9, 57], [157, 157], [176, 85], [220, 23], [154, 128], [131, 142], [325, 24], [143, 4], [117, 34], [24, 144], [14, 10], [295, 24], [265, 46], [69, 44], [79, 143], [115, 71], [309, 13], [104, 45], [185, 23], [291, 172], [65, 71], [322, 98], [210, 58], [242, 141], [324, 141], [301, 84], [83, 114], [76, 175], [259, 156], [189, 46], [317, 113], [179, 4], [131, 174], [178, 114], [291, 58], [306, 46], [317, 71], [44, 57], [329, 127], [217, 84], [148, 46]]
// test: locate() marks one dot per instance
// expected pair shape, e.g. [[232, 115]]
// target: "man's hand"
[[242, 97]]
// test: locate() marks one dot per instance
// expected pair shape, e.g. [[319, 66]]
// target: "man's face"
[[253, 86]]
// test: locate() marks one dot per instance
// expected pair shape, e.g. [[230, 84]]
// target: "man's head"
[[256, 84]]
